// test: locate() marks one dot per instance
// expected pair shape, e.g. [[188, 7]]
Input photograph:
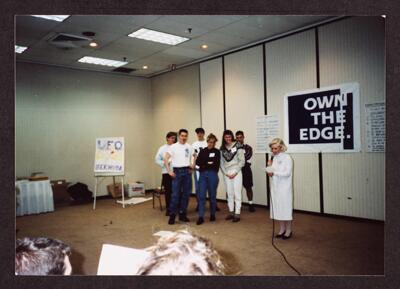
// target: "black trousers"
[[167, 184]]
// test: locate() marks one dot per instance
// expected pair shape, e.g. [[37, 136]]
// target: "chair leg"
[[159, 198]]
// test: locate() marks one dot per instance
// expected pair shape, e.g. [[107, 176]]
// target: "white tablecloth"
[[34, 197]]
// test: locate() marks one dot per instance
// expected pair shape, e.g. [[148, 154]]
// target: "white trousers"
[[234, 190]]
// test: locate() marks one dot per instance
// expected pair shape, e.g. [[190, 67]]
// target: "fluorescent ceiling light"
[[20, 49], [156, 36], [102, 61], [59, 18]]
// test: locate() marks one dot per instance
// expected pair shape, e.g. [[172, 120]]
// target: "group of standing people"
[[179, 160]]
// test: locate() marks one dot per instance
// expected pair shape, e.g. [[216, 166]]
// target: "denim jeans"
[[208, 181], [181, 190]]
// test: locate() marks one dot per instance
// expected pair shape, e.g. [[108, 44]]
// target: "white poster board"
[[375, 130], [109, 157], [323, 120], [267, 128]]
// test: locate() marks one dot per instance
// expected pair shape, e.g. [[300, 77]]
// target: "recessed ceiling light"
[[59, 18], [204, 46], [145, 67], [93, 44], [156, 36], [20, 49], [102, 61]]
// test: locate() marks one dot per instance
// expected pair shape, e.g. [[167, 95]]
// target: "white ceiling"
[[219, 32]]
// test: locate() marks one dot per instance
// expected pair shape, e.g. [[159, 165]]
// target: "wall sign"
[[375, 132], [267, 128], [109, 157], [323, 120]]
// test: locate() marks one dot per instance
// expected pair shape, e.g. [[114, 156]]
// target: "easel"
[[103, 176]]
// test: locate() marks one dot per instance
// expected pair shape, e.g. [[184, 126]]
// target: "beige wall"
[[354, 50], [291, 66], [176, 105], [60, 112]]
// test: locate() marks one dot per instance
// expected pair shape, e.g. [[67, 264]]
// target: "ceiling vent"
[[69, 41], [124, 70]]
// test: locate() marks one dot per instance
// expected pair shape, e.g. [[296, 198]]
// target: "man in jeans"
[[181, 156], [166, 178]]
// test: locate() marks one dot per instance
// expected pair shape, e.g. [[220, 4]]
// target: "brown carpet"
[[319, 246]]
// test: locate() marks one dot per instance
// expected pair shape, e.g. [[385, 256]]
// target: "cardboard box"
[[134, 189], [116, 191], [60, 193]]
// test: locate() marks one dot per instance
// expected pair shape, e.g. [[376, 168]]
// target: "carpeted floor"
[[319, 246]]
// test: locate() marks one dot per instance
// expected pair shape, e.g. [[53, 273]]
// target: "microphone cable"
[[273, 238]]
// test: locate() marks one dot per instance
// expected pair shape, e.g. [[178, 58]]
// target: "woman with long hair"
[[232, 161]]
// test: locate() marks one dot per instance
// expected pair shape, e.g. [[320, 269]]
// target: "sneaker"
[[252, 209], [236, 219], [183, 218], [200, 221], [212, 218], [171, 220], [229, 217]]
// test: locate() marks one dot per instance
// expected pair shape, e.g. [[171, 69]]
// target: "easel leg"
[[123, 195], [95, 194]]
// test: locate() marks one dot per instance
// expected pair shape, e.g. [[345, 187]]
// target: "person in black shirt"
[[246, 170], [208, 161]]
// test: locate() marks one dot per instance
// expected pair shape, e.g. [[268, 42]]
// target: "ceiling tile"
[[169, 26], [209, 22], [29, 29]]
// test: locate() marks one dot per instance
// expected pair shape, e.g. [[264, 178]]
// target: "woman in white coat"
[[280, 169]]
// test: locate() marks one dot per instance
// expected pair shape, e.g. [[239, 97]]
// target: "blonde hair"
[[182, 253], [279, 142]]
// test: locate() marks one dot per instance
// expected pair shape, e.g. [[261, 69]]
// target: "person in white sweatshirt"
[[166, 181], [232, 161]]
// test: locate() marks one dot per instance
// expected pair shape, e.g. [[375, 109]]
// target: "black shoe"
[[280, 235], [212, 218], [252, 209], [236, 219], [287, 237], [183, 218], [171, 220], [229, 217], [200, 221], [217, 209]]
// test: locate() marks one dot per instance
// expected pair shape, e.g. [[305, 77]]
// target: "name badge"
[[233, 150], [211, 155]]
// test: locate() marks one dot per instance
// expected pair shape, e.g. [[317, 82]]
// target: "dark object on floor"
[[236, 219], [60, 194], [229, 217], [200, 221], [183, 218], [80, 193], [171, 220], [279, 235]]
